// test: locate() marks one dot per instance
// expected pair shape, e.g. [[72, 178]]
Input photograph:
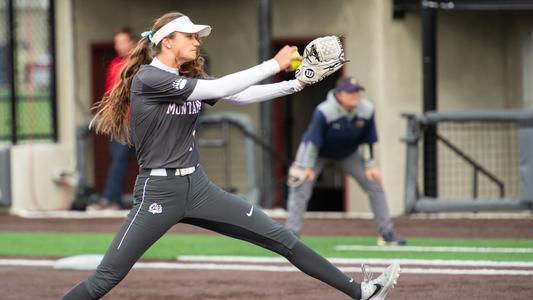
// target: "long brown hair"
[[113, 111]]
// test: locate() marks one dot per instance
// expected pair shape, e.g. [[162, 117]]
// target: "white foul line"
[[358, 261], [433, 249], [271, 268], [27, 262], [445, 271]]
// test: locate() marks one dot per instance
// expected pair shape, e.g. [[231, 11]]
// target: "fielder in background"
[[342, 131], [124, 42]]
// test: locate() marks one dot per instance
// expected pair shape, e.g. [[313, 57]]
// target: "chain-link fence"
[[475, 160], [27, 87], [480, 161]]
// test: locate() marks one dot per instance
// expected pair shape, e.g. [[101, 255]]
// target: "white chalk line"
[[358, 261], [270, 268], [27, 262], [433, 249], [274, 268]]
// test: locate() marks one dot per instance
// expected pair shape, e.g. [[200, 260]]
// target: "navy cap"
[[348, 84]]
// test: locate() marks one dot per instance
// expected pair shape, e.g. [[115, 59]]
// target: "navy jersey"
[[336, 133], [163, 123]]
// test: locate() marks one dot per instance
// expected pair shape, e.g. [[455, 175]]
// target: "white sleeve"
[[258, 93], [233, 83]]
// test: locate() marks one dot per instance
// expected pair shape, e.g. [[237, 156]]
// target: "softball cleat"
[[377, 289], [391, 239]]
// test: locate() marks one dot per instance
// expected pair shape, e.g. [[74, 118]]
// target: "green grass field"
[[60, 244]]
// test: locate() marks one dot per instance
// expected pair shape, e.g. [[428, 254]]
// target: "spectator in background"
[[124, 42]]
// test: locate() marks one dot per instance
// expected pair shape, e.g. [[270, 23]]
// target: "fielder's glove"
[[322, 57], [296, 176]]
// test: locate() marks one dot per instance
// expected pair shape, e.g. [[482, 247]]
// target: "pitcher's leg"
[[147, 221], [298, 200], [354, 166], [233, 216], [316, 266], [127, 247], [228, 214]]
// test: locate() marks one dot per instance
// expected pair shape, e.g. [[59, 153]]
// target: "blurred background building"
[[53, 57]]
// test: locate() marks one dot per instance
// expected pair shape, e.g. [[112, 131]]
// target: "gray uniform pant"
[[354, 166], [163, 201]]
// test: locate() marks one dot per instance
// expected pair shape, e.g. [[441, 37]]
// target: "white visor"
[[181, 24]]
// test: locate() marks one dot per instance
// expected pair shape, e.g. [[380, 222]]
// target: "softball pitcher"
[[163, 79]]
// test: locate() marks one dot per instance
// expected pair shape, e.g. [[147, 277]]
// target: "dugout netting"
[[469, 161]]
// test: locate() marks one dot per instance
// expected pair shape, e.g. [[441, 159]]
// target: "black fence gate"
[[27, 71]]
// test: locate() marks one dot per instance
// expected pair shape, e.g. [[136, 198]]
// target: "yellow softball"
[[295, 63]]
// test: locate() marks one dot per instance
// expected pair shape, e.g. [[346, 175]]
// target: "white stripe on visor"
[[181, 24]]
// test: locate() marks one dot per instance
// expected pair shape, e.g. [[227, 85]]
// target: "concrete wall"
[[519, 50], [472, 60], [401, 92]]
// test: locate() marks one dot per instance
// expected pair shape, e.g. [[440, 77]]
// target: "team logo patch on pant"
[[155, 208]]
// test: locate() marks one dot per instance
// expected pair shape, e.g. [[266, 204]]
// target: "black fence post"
[[429, 71], [53, 68], [265, 52]]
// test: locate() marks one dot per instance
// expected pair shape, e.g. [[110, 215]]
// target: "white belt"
[[179, 172]]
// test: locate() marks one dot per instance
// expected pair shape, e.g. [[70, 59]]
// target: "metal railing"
[[478, 168], [483, 161]]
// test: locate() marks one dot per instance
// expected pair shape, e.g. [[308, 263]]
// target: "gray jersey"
[[163, 123]]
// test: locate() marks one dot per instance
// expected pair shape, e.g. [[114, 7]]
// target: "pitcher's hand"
[[284, 57]]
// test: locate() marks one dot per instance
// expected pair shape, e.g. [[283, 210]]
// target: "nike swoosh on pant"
[[251, 211]]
